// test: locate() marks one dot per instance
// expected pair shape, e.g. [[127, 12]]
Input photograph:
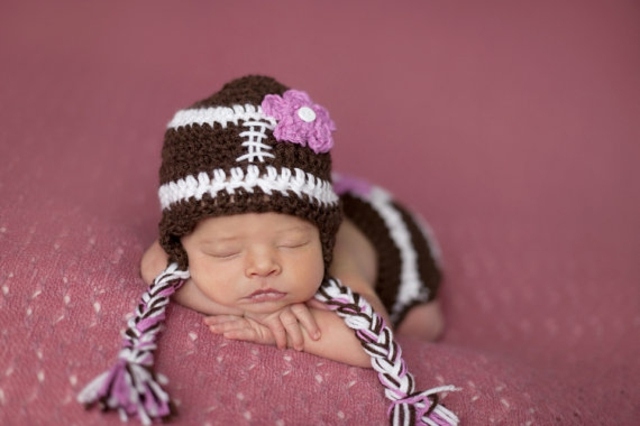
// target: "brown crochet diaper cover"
[[408, 256]]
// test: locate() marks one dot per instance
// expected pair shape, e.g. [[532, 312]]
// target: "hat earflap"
[[131, 386], [408, 407]]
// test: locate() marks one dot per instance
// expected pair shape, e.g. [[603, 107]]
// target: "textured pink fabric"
[[512, 127]]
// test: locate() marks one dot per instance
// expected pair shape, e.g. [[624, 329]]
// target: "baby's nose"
[[262, 263]]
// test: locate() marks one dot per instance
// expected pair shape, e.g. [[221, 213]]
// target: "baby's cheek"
[[215, 287], [313, 282]]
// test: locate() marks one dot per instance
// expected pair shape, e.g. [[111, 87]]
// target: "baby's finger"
[[244, 334], [224, 327], [278, 331], [304, 316], [292, 327], [220, 319]]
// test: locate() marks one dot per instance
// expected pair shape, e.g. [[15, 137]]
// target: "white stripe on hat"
[[296, 181], [221, 115]]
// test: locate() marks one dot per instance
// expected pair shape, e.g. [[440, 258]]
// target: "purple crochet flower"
[[300, 120]]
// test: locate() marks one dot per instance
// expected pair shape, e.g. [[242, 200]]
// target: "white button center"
[[307, 114]]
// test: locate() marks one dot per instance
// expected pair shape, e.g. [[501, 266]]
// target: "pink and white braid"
[[408, 407], [131, 387]]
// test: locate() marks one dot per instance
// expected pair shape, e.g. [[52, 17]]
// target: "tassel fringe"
[[131, 387], [407, 406]]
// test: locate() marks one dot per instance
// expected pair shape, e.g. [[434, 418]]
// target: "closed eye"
[[293, 244], [224, 255]]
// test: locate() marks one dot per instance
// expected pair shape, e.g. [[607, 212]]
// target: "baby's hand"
[[282, 328], [240, 328]]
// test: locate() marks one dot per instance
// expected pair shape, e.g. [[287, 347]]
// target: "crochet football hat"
[[255, 146]]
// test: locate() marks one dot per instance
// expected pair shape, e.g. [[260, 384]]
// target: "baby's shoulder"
[[353, 255]]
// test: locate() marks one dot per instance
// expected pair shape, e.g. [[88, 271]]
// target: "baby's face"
[[255, 262]]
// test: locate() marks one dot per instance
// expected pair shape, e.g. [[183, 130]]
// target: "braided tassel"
[[130, 386], [408, 407]]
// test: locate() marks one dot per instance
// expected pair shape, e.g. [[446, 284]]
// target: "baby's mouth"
[[266, 295]]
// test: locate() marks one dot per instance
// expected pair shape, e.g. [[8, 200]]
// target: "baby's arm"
[[337, 341]]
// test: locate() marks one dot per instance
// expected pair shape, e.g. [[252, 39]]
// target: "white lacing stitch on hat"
[[221, 115], [252, 116], [298, 182], [255, 135]]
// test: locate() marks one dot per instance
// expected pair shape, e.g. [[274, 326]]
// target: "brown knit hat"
[[255, 146]]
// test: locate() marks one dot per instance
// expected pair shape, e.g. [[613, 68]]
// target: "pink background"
[[513, 127]]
